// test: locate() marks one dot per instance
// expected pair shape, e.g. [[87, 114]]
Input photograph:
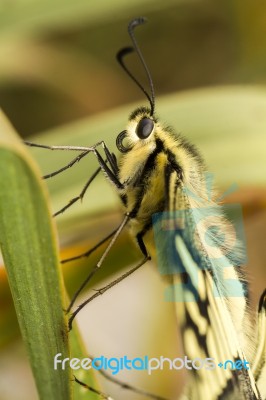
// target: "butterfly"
[[161, 180]]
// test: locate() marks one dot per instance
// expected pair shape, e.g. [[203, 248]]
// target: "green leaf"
[[28, 243]]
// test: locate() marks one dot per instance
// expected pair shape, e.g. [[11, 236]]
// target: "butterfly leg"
[[80, 196], [111, 173], [93, 390], [104, 289], [124, 385]]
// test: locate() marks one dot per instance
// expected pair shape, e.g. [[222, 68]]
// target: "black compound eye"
[[145, 128]]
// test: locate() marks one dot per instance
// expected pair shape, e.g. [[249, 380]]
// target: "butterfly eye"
[[145, 128]]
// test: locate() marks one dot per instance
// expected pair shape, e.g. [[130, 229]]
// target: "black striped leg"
[[80, 196], [90, 251], [91, 389], [124, 385], [100, 262], [69, 165], [111, 173], [104, 289]]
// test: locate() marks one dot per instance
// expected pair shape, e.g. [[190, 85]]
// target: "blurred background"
[[60, 84]]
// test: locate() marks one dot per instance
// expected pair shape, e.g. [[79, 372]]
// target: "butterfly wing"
[[210, 316], [259, 362]]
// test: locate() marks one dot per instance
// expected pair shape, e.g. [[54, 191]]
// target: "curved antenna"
[[126, 50], [120, 55]]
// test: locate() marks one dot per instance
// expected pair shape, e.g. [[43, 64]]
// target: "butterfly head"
[[142, 122], [140, 130]]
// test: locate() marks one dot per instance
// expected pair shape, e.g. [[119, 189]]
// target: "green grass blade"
[[28, 244], [77, 350]]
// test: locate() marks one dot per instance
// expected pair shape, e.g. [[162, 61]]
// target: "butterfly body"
[[161, 172], [143, 169]]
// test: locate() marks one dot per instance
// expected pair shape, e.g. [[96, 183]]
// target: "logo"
[[191, 240], [115, 365]]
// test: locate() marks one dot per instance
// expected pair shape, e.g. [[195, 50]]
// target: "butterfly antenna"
[[126, 50]]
